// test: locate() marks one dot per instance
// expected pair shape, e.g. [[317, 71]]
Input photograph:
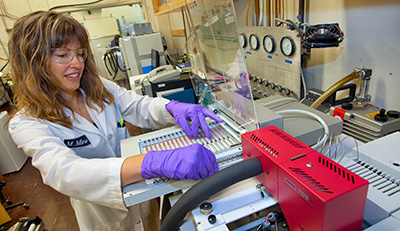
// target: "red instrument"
[[314, 192]]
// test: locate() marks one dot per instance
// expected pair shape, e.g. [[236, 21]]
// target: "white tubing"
[[279, 100], [316, 117]]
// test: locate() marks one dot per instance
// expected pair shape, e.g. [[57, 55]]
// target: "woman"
[[67, 117]]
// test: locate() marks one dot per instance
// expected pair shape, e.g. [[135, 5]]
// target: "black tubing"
[[301, 11], [208, 187]]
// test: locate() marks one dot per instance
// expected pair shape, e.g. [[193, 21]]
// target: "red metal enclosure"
[[314, 192]]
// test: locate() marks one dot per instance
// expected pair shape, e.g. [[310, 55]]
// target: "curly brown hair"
[[36, 92]]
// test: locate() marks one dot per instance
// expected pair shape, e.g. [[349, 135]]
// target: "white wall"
[[372, 40], [97, 24], [103, 22]]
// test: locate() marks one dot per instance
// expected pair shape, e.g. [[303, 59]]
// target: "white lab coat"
[[85, 162]]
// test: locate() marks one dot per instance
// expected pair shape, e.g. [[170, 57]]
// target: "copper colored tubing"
[[333, 88]]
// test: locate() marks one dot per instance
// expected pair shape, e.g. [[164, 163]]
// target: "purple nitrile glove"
[[191, 162], [183, 111]]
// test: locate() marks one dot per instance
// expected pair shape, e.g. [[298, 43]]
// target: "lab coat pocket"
[[123, 133]]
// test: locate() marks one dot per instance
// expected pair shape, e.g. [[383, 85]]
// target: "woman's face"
[[67, 64]]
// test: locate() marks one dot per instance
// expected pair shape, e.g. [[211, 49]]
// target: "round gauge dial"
[[269, 43], [242, 40], [254, 42], [288, 47]]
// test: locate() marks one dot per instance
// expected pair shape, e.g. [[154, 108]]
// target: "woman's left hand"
[[183, 111]]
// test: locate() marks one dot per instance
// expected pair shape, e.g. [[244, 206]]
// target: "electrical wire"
[[247, 12], [4, 66], [343, 150], [252, 14], [170, 59], [261, 13], [335, 148], [290, 22], [4, 85], [356, 145], [184, 11], [174, 27], [304, 83], [3, 9], [72, 5], [4, 89], [270, 12], [330, 154], [324, 150], [321, 148], [316, 117], [327, 148], [142, 83], [5, 50], [275, 13], [256, 12]]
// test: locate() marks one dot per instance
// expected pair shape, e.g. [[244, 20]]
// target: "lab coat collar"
[[81, 123], [98, 116]]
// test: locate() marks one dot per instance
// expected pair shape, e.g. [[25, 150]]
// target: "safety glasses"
[[65, 55]]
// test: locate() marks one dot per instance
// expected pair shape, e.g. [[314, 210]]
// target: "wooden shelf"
[[178, 33], [168, 7]]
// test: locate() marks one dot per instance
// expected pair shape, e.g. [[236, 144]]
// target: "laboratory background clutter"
[[306, 90]]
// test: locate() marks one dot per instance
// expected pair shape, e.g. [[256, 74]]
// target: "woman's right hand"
[[191, 162]]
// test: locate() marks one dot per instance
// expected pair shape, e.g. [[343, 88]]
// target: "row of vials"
[[220, 140]]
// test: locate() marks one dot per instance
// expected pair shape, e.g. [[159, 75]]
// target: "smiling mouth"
[[72, 76]]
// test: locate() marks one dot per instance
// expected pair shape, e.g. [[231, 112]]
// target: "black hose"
[[110, 59], [208, 187], [119, 66]]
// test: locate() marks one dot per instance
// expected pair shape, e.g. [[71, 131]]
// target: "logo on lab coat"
[[78, 142]]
